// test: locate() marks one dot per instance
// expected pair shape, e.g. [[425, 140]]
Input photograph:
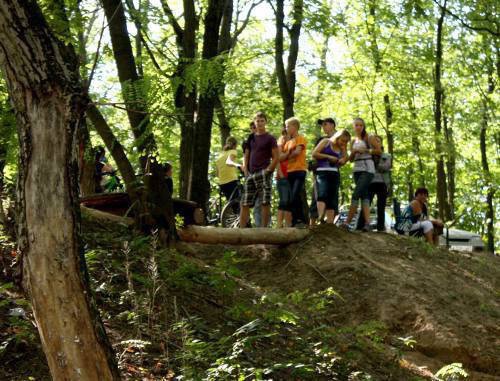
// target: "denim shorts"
[[284, 193], [328, 183]]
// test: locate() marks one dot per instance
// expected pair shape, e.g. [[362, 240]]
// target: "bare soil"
[[449, 302]]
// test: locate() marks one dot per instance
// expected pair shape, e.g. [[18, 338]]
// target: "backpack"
[[404, 223]]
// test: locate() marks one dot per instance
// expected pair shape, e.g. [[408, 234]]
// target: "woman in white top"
[[363, 146]]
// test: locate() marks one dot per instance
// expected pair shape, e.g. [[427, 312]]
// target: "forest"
[[89, 295]]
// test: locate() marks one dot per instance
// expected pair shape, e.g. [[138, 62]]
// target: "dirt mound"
[[448, 302]]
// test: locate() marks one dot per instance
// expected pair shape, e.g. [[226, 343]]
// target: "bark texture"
[[286, 75], [185, 93], [485, 121], [200, 191], [42, 78], [441, 189], [254, 236], [132, 86]]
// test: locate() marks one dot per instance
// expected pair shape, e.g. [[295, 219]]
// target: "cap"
[[327, 120]]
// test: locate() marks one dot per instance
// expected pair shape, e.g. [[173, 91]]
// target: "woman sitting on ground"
[[415, 219], [226, 168], [330, 154]]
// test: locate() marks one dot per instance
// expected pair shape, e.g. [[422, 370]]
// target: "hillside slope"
[[336, 306], [448, 302]]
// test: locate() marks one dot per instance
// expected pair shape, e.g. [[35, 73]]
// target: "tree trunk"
[[225, 46], [450, 165], [42, 78], [185, 96], [490, 193], [132, 86], [286, 76], [415, 143], [200, 191], [113, 146], [441, 192], [86, 162]]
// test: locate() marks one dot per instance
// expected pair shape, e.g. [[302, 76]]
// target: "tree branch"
[[175, 24]]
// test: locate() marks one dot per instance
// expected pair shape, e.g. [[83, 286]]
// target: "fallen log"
[[105, 216], [254, 236], [118, 203]]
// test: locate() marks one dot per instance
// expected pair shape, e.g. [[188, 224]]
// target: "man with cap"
[[328, 126]]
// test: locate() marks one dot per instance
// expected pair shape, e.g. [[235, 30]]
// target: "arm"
[[318, 155], [296, 152], [274, 161], [385, 163], [231, 161], [107, 168], [282, 155], [353, 152], [375, 149], [246, 160]]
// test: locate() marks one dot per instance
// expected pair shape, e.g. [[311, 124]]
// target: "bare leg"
[[312, 221], [429, 237], [435, 237], [265, 215], [281, 216], [288, 219], [244, 215], [353, 209], [330, 216], [321, 209], [366, 214]]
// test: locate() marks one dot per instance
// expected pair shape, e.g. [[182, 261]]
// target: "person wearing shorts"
[[284, 217], [328, 126], [415, 220], [262, 160], [330, 154]]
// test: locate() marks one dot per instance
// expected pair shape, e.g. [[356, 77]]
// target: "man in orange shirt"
[[295, 153]]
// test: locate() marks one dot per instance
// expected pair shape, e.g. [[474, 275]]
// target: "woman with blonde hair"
[[331, 154], [227, 167]]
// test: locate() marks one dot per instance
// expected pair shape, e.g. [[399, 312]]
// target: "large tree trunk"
[[200, 191], [132, 86], [42, 78], [286, 76], [185, 95], [441, 192]]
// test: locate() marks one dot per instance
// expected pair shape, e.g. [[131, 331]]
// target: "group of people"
[[285, 158]]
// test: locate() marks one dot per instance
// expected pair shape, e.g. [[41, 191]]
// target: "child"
[[284, 191]]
